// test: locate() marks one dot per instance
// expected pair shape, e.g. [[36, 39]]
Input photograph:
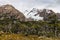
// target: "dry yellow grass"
[[22, 37]]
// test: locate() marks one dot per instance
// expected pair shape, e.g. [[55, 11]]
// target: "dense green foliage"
[[49, 27]]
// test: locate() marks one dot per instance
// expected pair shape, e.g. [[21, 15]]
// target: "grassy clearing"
[[22, 37]]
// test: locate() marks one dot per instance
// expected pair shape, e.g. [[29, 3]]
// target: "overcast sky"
[[23, 5]]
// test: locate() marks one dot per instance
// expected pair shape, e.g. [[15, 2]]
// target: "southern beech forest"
[[49, 27]]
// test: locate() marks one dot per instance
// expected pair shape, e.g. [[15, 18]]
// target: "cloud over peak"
[[28, 4]]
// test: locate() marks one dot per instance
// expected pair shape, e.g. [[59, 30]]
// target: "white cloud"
[[28, 4]]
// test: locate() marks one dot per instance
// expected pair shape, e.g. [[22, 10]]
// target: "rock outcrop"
[[11, 11]]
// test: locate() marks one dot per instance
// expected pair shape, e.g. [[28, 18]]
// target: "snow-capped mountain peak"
[[38, 14]]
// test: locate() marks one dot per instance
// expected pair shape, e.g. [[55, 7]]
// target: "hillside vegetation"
[[48, 28]]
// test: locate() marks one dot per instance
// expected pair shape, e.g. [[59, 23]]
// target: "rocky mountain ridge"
[[43, 13], [35, 14], [11, 11]]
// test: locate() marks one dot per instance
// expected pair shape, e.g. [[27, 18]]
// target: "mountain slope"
[[42, 13], [11, 11]]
